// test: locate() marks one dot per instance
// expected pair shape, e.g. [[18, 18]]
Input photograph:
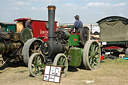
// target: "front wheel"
[[61, 60], [36, 64]]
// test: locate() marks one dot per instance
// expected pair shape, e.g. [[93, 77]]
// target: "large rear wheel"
[[91, 55], [31, 46]]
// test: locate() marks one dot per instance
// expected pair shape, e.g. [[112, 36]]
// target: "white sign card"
[[52, 73]]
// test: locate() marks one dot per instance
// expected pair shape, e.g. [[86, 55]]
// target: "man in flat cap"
[[28, 24], [77, 24]]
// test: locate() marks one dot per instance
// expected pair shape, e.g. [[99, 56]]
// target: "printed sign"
[[52, 74]]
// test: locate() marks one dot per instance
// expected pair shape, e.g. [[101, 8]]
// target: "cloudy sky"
[[90, 11]]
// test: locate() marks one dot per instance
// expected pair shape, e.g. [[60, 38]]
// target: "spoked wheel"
[[36, 64], [91, 55], [30, 47], [61, 60]]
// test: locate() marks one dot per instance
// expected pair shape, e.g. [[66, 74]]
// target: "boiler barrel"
[[50, 49], [5, 47]]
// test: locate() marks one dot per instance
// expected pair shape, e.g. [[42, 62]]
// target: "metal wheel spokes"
[[91, 55], [36, 64], [61, 60], [35, 48]]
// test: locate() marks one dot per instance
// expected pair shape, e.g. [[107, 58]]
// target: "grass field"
[[111, 72]]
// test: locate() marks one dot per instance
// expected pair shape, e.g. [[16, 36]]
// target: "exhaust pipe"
[[51, 21]]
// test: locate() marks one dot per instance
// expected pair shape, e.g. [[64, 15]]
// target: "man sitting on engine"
[[78, 25]]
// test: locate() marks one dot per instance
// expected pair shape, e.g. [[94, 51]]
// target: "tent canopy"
[[113, 28]]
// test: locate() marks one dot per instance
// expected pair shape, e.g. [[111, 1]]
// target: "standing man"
[[28, 24], [78, 25]]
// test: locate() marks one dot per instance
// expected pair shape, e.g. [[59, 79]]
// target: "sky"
[[90, 11]]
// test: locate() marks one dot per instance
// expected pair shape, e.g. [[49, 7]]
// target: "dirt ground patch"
[[111, 72]]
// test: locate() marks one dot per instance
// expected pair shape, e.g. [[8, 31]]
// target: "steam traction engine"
[[11, 45], [62, 49]]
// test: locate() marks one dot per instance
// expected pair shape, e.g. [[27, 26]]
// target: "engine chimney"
[[51, 21]]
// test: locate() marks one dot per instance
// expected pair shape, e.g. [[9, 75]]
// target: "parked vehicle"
[[114, 35], [63, 49], [11, 44]]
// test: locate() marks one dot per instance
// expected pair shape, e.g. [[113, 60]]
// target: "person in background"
[[78, 25], [28, 24]]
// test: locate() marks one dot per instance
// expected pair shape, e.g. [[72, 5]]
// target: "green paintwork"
[[117, 43], [66, 34], [74, 40], [2, 28], [75, 54], [26, 34], [10, 27], [6, 27]]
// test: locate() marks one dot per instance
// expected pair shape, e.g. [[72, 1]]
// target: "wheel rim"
[[61, 60], [36, 64], [91, 55]]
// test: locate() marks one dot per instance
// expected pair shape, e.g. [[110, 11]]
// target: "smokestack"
[[51, 21]]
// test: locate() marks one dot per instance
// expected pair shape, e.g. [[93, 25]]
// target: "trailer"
[[114, 35]]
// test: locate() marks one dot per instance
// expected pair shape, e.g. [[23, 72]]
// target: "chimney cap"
[[51, 7]]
